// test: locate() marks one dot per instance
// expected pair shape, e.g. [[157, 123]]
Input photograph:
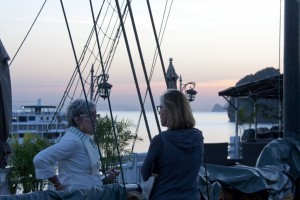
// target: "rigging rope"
[[116, 40], [86, 98], [160, 35], [113, 46], [71, 82], [67, 91], [105, 35], [94, 46], [24, 39], [85, 50], [80, 75], [79, 62], [108, 98], [143, 64], [132, 69], [157, 42]]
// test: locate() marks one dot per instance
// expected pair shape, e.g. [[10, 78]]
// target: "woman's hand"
[[111, 174], [59, 187], [56, 183]]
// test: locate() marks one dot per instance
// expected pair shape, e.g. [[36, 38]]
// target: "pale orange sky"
[[213, 43]]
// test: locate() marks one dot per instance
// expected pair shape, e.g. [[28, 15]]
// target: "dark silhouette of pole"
[[291, 81]]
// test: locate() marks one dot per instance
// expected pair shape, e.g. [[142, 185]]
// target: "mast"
[[291, 84]]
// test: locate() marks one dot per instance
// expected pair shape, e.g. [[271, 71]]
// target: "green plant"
[[106, 140], [267, 112], [245, 117], [22, 168]]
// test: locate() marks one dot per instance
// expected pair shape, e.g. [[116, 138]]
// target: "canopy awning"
[[270, 87]]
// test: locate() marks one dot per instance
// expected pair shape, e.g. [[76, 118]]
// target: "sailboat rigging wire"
[[81, 60], [116, 40], [21, 47], [143, 64], [66, 93], [94, 46], [111, 55], [113, 45], [113, 8], [105, 35], [156, 40], [23, 40], [160, 35], [108, 98], [113, 48], [133, 69], [78, 70]]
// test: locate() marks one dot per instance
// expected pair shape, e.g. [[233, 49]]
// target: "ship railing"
[[132, 169], [33, 112]]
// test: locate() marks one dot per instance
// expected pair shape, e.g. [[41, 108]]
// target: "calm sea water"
[[214, 125]]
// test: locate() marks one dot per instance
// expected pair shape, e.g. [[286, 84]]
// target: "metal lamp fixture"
[[190, 93], [104, 87], [171, 78]]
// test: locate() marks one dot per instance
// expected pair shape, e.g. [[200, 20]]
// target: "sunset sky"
[[212, 42]]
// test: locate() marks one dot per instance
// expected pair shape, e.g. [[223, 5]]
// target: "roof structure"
[[269, 88]]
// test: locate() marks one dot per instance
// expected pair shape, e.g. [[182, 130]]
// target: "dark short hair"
[[77, 108], [179, 110]]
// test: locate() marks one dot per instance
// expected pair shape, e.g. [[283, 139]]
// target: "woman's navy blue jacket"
[[176, 156]]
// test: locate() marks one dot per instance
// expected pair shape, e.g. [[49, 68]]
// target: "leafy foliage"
[[245, 117], [22, 168], [105, 138]]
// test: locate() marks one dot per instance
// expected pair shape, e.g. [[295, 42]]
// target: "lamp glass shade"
[[191, 94], [104, 89]]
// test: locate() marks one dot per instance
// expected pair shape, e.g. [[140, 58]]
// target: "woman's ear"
[[77, 120]]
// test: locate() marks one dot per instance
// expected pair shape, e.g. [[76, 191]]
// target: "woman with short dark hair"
[[176, 154]]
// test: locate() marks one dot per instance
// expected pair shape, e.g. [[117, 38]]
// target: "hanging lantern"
[[191, 94], [104, 89]]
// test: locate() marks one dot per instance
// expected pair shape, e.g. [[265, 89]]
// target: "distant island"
[[218, 108]]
